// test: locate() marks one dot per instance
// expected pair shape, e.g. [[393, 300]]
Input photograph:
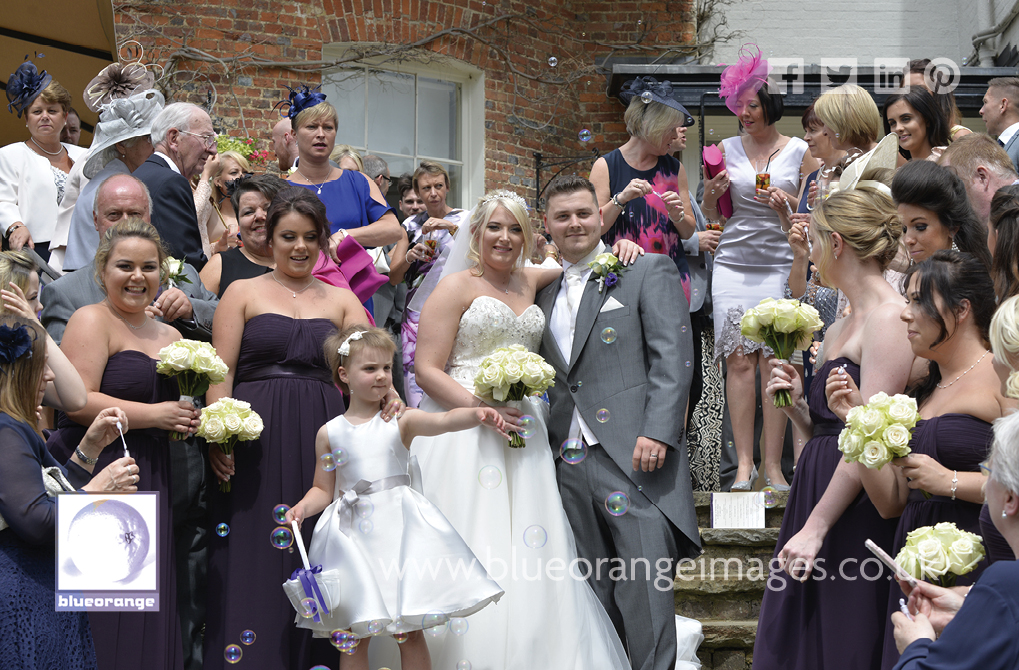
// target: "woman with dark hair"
[[936, 213], [753, 258], [918, 121], [269, 330], [1003, 242], [917, 73]]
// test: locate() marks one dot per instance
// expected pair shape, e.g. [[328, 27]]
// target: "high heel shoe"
[[747, 485], [778, 487]]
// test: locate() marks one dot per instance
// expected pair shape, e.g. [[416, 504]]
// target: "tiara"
[[503, 194]]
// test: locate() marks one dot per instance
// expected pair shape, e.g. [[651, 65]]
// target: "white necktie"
[[574, 293]]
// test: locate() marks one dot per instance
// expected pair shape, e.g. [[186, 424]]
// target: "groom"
[[621, 357]]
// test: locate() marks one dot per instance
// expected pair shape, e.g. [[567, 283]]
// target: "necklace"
[[292, 291], [964, 373], [121, 317], [51, 153], [317, 186]]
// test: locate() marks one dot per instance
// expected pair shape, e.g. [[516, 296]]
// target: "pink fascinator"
[[750, 73]]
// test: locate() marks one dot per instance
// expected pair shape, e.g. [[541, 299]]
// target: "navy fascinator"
[[24, 86], [300, 99]]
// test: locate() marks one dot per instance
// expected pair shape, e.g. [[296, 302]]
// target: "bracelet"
[[85, 459], [10, 231], [955, 482], [615, 201]]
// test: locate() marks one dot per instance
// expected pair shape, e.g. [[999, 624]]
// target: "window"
[[417, 113]]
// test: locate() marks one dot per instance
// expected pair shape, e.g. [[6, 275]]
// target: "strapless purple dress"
[[281, 371], [132, 640], [807, 625], [958, 442]]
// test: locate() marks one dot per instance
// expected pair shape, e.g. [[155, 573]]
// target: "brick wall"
[[574, 33]]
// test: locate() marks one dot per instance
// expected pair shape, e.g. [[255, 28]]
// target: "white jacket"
[[27, 191]]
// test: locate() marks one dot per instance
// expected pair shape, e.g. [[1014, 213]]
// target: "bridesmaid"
[[115, 345], [270, 331], [854, 235]]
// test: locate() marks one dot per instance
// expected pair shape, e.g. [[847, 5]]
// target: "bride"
[[504, 502]]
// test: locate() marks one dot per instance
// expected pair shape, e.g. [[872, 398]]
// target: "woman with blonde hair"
[[1004, 336], [217, 219], [850, 117], [347, 157]]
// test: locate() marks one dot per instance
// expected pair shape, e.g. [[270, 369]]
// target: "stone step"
[[720, 634], [739, 537]]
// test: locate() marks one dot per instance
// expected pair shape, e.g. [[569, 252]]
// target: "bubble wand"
[[120, 429]]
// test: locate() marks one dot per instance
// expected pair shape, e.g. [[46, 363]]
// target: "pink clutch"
[[714, 163]]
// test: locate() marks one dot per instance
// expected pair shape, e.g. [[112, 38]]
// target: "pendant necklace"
[[292, 291], [119, 316], [318, 187]]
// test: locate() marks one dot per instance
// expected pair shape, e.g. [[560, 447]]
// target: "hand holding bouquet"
[[513, 373], [879, 431], [942, 552], [227, 422], [195, 365], [783, 325]]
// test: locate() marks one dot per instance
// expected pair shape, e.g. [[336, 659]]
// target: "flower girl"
[[391, 562]]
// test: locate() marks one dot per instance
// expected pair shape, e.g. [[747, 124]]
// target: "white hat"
[[884, 155], [120, 120]]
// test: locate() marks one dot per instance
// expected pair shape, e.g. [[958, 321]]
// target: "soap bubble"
[[608, 335], [309, 608], [639, 22], [528, 426], [769, 497], [248, 637], [682, 329], [617, 503], [646, 97], [463, 665], [328, 463], [535, 537], [553, 61], [222, 530], [573, 451], [711, 131], [366, 526], [232, 653], [585, 135], [688, 364], [281, 537], [279, 513], [340, 456], [490, 477], [341, 639], [602, 415], [320, 667], [458, 626], [364, 508], [400, 637], [434, 623], [375, 627]]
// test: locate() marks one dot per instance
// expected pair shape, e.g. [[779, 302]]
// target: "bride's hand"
[[510, 417], [627, 251], [392, 405], [488, 416]]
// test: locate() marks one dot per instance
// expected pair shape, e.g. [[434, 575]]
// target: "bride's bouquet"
[[513, 373], [941, 552], [785, 326], [227, 422], [879, 431], [196, 365]]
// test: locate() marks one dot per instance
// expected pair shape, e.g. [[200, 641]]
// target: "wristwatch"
[[11, 229], [85, 459]]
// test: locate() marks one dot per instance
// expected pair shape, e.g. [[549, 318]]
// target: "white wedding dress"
[[505, 503]]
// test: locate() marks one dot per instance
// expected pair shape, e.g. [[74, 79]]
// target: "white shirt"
[[564, 321], [169, 161], [1006, 135]]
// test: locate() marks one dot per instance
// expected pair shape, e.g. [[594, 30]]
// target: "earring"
[[836, 256], [955, 247], [1004, 514]]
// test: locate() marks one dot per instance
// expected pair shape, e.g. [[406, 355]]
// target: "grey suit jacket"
[[641, 378], [1012, 149], [61, 298], [699, 262]]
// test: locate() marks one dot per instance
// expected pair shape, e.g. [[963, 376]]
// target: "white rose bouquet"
[[941, 552], [879, 431], [783, 325], [195, 365], [227, 422], [173, 269], [513, 373]]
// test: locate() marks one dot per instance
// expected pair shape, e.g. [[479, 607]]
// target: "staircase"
[[724, 586]]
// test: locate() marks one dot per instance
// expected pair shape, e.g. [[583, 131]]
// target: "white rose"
[[492, 377], [750, 326], [874, 455], [870, 422], [903, 410], [786, 320], [521, 358], [766, 312], [918, 535], [251, 428], [513, 373], [212, 429], [963, 555], [177, 358], [232, 423], [909, 561], [879, 400], [808, 318], [896, 436], [853, 415], [851, 444], [533, 374], [932, 557], [605, 259], [172, 266]]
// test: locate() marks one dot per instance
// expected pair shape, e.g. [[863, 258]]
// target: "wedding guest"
[[919, 123], [217, 219], [33, 172], [115, 345], [71, 134], [1000, 111], [983, 166], [974, 630], [753, 257], [251, 200], [1003, 242], [347, 157], [284, 145], [410, 202], [1004, 337], [33, 634], [936, 213], [850, 117], [920, 73], [822, 149]]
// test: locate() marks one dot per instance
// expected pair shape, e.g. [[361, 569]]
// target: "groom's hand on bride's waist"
[[649, 454]]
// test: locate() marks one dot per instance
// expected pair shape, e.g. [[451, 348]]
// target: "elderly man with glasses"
[[184, 140]]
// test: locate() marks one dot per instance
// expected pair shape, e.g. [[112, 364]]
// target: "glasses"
[[208, 140], [986, 468]]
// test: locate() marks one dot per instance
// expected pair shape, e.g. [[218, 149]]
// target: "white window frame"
[[471, 130]]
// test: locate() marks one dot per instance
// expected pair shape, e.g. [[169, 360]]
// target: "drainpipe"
[[982, 40]]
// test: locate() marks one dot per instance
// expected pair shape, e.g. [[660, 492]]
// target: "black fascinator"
[[24, 86]]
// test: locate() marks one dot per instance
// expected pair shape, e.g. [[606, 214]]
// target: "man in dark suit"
[[184, 140], [1000, 112], [623, 355], [189, 309]]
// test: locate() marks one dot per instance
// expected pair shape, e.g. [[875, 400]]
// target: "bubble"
[[490, 477], [463, 665], [688, 364], [639, 22], [617, 503], [232, 653], [328, 463], [579, 384], [553, 61], [535, 537], [730, 444], [340, 456], [279, 513], [458, 626], [364, 508], [375, 627], [585, 134], [682, 329], [222, 530], [528, 426], [608, 335], [434, 623], [769, 497], [711, 131], [248, 637], [366, 526], [320, 667], [309, 608], [281, 537], [341, 639], [646, 97], [602, 415], [583, 34], [965, 60], [400, 637], [573, 451]]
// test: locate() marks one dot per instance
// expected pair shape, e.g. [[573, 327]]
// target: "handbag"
[[55, 483], [355, 271], [378, 254], [714, 162]]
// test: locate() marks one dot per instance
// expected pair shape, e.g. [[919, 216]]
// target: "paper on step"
[[737, 510]]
